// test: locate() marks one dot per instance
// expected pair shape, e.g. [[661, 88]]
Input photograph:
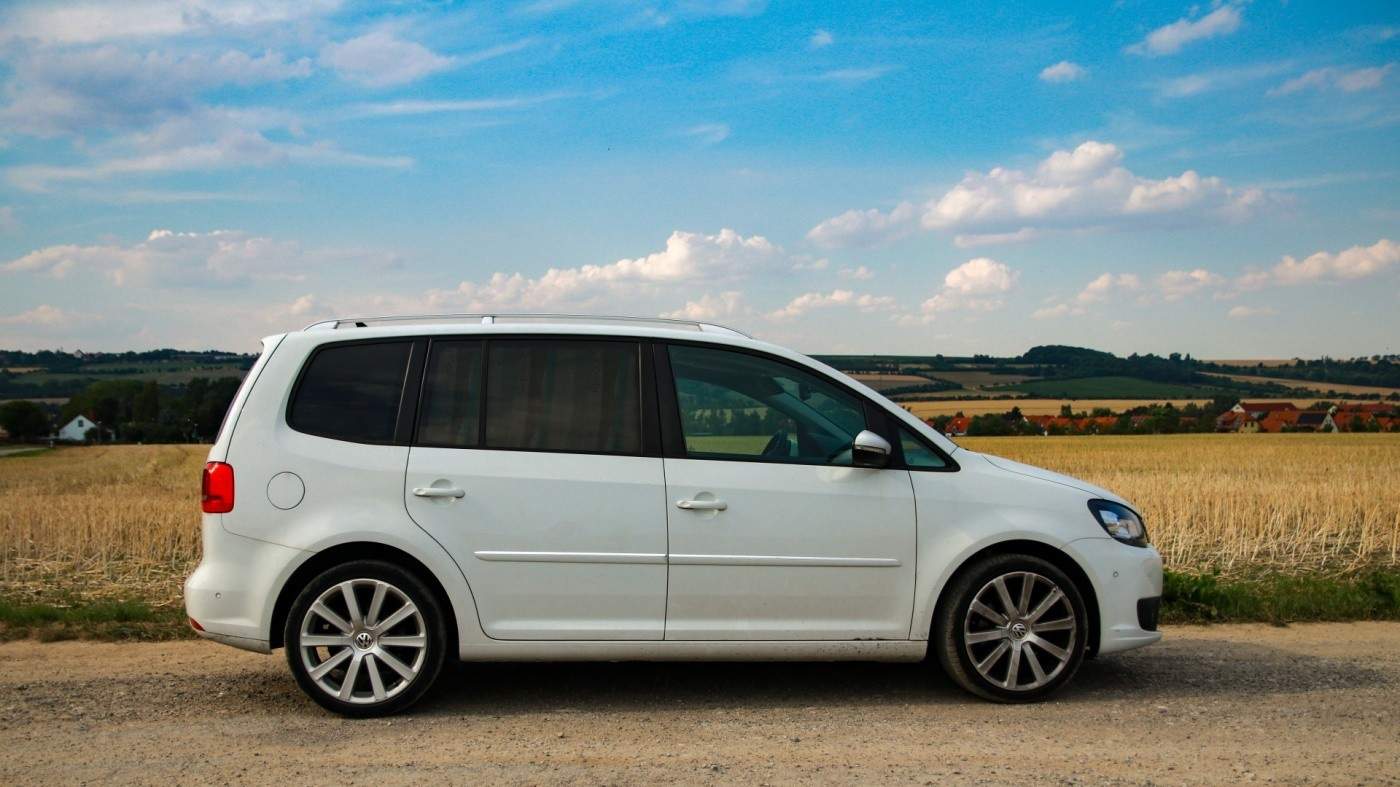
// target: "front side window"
[[557, 395], [351, 392], [739, 406]]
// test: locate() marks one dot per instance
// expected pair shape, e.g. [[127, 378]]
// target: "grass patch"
[[1111, 387], [1280, 598], [102, 620]]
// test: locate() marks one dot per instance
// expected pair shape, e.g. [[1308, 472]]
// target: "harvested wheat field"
[[1238, 503], [122, 522]]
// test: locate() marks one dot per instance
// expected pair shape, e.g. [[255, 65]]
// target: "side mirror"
[[870, 450]]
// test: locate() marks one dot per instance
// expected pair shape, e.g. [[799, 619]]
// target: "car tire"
[[1007, 642], [388, 646]]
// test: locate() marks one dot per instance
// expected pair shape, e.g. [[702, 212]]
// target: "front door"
[[528, 467], [774, 535]]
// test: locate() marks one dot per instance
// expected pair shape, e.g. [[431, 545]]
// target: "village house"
[[75, 431], [957, 425]]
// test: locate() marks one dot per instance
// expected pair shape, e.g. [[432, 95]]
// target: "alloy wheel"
[[363, 641], [1019, 631]]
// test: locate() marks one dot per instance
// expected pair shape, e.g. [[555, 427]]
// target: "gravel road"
[[1313, 703]]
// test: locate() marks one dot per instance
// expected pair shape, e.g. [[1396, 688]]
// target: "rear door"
[[532, 465], [774, 535]]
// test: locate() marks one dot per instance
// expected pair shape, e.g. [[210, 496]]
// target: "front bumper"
[[232, 592], [1122, 576]]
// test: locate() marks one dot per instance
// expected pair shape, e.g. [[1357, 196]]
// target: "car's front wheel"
[[365, 638], [1012, 629]]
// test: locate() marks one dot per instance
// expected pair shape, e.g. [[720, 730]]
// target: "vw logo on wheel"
[[364, 641]]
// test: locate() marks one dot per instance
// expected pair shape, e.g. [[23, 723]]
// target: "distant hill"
[[1062, 371], [56, 374]]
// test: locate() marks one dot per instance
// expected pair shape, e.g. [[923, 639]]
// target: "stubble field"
[[121, 523]]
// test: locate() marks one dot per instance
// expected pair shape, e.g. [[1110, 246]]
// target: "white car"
[[386, 491]]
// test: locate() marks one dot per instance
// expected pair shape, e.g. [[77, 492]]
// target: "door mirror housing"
[[870, 450]]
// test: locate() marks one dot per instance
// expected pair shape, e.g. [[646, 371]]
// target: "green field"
[[1114, 388]]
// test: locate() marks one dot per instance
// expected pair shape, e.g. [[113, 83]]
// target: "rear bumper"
[[232, 592], [1122, 576]]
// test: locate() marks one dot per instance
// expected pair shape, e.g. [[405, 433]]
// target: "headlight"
[[1121, 522]]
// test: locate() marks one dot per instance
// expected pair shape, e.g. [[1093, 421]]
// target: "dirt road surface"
[[1304, 704]]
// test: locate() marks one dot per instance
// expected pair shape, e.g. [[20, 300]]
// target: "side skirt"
[[731, 650]]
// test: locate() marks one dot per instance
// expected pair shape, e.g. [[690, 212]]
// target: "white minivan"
[[386, 491]]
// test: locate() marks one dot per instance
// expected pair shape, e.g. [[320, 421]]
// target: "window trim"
[[411, 376], [649, 444], [877, 418]]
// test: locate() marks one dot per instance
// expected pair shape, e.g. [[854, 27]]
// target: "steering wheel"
[[777, 444]]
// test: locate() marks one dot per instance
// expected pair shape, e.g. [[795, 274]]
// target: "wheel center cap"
[[1018, 630], [364, 640]]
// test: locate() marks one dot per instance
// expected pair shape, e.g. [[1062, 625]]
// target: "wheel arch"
[[1047, 552], [359, 550]]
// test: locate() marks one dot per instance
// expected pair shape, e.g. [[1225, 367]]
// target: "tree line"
[[131, 411]]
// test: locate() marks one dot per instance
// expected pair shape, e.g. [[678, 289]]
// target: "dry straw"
[[123, 521]]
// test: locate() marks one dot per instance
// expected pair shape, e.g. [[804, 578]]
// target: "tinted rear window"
[[550, 395], [351, 392], [452, 396]]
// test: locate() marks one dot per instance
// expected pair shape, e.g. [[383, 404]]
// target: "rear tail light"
[[217, 488]]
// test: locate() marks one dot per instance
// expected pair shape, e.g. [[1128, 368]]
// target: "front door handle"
[[439, 491], [702, 505]]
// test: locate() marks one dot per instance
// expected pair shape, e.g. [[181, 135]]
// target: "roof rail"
[[519, 319]]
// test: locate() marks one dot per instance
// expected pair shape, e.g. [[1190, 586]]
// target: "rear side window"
[[451, 415], [352, 392], [553, 395]]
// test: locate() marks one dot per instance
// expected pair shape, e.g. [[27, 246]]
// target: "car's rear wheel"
[[1013, 628], [365, 638]]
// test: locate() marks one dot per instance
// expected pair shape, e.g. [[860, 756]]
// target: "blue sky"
[[917, 178]]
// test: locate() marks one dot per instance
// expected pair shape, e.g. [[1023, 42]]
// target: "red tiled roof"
[[1267, 407]]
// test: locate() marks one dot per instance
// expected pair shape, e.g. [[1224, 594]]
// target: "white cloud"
[[1347, 81], [43, 314], [381, 59], [234, 148], [865, 227], [858, 273], [820, 39], [973, 240], [976, 285], [708, 133], [1169, 39], [1219, 79], [1071, 189], [1061, 309], [1063, 71], [1357, 262], [1101, 288], [711, 307], [1175, 285], [97, 20], [108, 88], [810, 301], [688, 257], [185, 259], [427, 107], [1245, 312], [853, 76]]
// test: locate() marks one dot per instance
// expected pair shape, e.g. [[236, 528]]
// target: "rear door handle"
[[439, 491], [702, 505]]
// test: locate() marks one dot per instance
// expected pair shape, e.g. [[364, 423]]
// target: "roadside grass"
[[1280, 598], [101, 620]]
